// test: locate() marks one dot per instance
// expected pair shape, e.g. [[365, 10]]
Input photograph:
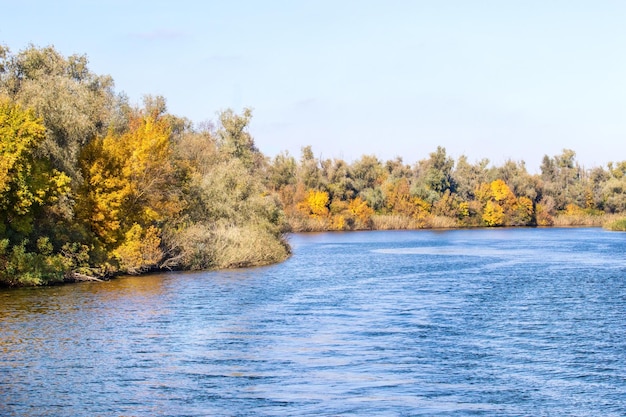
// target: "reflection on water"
[[502, 322]]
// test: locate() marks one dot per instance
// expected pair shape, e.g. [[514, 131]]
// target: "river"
[[487, 322]]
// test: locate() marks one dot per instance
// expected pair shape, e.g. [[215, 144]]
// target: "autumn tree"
[[316, 204], [501, 206], [130, 187], [28, 186], [27, 183]]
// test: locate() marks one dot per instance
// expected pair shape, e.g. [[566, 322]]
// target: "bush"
[[203, 246], [616, 225]]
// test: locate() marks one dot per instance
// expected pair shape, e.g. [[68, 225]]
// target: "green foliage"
[[74, 103], [434, 177], [20, 266], [234, 139], [617, 225], [283, 171]]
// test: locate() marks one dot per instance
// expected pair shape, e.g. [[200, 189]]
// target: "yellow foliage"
[[359, 209], [573, 210], [20, 133], [26, 180], [464, 209], [483, 192], [338, 222], [129, 178], [500, 191], [500, 206], [524, 209], [316, 203], [140, 250], [493, 214], [397, 194]]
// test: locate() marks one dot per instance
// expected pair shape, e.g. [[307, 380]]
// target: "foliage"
[[140, 250], [316, 203], [75, 104], [91, 186], [493, 214], [436, 192], [617, 225]]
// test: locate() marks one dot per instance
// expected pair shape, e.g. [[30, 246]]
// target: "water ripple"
[[509, 322]]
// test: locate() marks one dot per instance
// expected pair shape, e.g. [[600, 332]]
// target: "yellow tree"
[[501, 193], [361, 211], [493, 214], [27, 183], [502, 207], [316, 203], [130, 189]]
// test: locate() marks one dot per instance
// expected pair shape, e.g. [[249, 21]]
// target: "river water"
[[490, 322]]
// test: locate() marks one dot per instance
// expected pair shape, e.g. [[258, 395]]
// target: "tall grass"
[[441, 222], [618, 225], [395, 222], [582, 219]]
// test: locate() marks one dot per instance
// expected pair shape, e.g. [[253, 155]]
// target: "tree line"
[[92, 186], [331, 194]]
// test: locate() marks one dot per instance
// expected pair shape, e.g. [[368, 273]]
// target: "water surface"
[[494, 322]]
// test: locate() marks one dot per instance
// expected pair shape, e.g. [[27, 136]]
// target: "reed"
[[395, 222], [583, 219], [441, 222], [617, 225], [299, 224]]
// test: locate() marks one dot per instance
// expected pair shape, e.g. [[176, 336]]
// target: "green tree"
[[309, 170], [75, 104], [235, 141], [563, 179], [282, 171], [468, 177], [434, 176], [338, 178]]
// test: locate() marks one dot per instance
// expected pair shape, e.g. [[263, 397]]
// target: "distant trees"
[[441, 192]]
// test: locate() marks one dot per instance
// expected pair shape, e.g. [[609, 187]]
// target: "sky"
[[501, 79]]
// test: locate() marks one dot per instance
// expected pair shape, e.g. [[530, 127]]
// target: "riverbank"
[[402, 222]]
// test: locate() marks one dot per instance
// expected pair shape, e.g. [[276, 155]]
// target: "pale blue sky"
[[495, 79]]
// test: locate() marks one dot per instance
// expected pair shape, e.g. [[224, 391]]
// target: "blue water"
[[494, 322]]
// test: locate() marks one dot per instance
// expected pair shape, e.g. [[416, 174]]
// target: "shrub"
[[616, 225]]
